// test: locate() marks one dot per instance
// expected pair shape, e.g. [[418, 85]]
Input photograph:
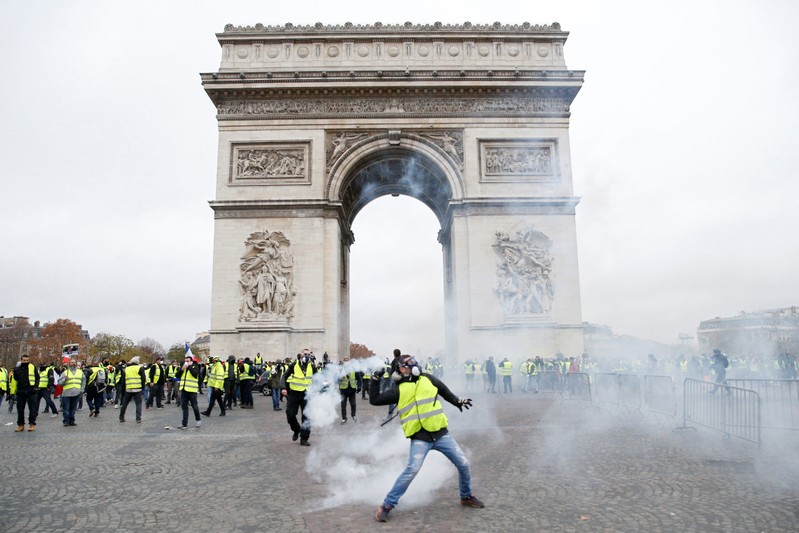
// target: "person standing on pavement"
[[231, 380], [296, 380], [246, 381], [3, 384], [25, 384], [506, 370], [216, 384], [73, 381], [349, 386], [425, 424], [275, 383], [95, 388], [157, 379], [119, 384], [45, 387], [134, 380], [172, 383], [491, 373], [189, 385], [718, 365]]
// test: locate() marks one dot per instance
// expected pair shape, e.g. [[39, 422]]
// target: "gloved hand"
[[464, 403]]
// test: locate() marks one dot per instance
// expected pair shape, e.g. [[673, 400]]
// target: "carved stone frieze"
[[267, 278], [390, 106], [513, 160], [451, 142], [338, 143], [269, 163], [524, 272]]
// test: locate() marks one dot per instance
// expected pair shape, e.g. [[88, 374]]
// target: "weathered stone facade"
[[317, 121]]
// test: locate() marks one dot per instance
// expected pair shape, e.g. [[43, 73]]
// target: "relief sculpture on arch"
[[524, 272], [267, 278]]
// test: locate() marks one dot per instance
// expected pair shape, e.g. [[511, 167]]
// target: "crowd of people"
[[531, 374]]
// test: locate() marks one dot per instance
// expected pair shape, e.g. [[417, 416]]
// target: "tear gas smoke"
[[362, 465]]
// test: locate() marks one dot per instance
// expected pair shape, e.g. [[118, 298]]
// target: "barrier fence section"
[[732, 410], [780, 400], [619, 390], [606, 389], [660, 395], [550, 382], [578, 386]]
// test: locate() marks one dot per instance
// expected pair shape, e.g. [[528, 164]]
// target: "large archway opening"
[[396, 290], [396, 273]]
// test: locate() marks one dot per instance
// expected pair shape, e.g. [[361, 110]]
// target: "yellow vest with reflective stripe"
[[3, 379], [93, 377], [132, 378], [32, 373], [298, 380], [188, 382], [216, 376], [245, 373], [44, 377], [419, 408], [348, 380], [74, 379], [506, 369]]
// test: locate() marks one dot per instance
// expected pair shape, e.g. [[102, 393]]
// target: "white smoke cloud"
[[361, 464]]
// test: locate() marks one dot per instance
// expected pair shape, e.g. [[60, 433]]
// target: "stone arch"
[[395, 164]]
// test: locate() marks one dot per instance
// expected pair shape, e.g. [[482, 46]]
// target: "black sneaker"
[[471, 501], [382, 513], [295, 435], [304, 442]]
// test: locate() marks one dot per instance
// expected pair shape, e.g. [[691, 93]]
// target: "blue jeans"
[[419, 449], [68, 406], [276, 397]]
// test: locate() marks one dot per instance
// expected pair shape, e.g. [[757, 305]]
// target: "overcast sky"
[[684, 151]]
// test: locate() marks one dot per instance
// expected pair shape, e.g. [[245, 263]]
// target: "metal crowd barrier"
[[606, 389], [779, 400], [578, 386], [619, 390], [550, 382], [660, 395], [731, 410]]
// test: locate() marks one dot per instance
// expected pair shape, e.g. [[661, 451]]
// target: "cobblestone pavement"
[[537, 463]]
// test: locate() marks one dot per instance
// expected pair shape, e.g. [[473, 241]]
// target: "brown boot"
[[20, 428], [32, 427]]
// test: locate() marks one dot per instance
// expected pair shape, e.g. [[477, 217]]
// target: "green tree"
[[176, 352], [113, 347]]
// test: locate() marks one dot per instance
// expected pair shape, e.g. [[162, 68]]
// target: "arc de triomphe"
[[317, 121]]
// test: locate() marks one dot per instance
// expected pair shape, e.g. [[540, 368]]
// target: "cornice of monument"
[[357, 47], [380, 28]]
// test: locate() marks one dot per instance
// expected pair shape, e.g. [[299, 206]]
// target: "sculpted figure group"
[[523, 271], [267, 278]]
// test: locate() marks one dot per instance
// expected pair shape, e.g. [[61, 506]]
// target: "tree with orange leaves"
[[52, 337], [360, 351]]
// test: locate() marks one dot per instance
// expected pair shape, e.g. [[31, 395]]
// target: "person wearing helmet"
[[425, 424]]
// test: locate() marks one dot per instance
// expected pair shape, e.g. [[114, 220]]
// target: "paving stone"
[[538, 464]]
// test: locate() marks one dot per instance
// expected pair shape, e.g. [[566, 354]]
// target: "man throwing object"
[[424, 423]]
